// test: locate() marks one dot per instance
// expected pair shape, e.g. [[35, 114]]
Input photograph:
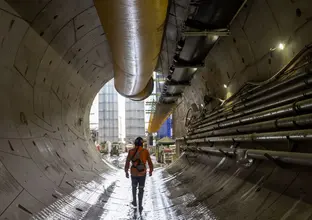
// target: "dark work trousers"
[[138, 180]]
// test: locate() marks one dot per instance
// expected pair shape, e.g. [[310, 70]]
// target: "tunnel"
[[239, 92]]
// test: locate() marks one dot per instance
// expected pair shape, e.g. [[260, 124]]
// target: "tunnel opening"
[[55, 57]]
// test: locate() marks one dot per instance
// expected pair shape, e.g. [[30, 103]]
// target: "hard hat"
[[138, 142]]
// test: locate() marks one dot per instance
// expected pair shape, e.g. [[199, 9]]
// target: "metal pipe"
[[234, 108], [265, 83], [297, 135], [240, 117], [205, 118], [281, 123], [304, 159], [251, 94], [147, 91], [285, 100], [212, 150], [134, 30], [287, 67], [291, 88], [227, 152]]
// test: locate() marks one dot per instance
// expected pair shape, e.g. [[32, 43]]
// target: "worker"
[[138, 157]]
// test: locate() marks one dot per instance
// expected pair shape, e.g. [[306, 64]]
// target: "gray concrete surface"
[[245, 55], [109, 197], [55, 58], [264, 191]]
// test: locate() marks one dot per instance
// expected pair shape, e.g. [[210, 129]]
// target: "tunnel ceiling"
[[55, 58], [67, 38], [193, 28], [184, 15]]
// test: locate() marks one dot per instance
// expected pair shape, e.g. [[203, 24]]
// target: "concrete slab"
[[7, 8], [13, 146], [28, 10], [23, 207], [12, 29], [10, 189], [28, 175], [51, 20], [89, 17], [29, 55]]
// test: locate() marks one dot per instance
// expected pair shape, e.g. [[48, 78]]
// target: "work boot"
[[140, 209], [134, 204]]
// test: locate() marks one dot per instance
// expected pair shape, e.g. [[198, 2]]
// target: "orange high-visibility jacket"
[[144, 157]]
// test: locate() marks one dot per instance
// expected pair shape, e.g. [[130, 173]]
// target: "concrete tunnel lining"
[[54, 59], [50, 72]]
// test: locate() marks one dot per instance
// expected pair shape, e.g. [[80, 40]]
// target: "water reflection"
[[109, 197]]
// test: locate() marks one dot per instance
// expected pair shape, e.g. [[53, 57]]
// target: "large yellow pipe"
[[134, 29], [160, 115]]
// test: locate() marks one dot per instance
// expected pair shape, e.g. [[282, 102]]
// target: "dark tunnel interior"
[[245, 154]]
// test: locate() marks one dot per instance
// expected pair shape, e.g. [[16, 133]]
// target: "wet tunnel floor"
[[110, 198]]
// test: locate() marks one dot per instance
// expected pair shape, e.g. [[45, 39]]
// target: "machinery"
[[116, 148]]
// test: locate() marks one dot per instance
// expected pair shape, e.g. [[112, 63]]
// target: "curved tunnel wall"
[[263, 191], [245, 55], [223, 190], [54, 59]]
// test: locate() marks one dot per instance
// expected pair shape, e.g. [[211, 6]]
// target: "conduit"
[[284, 89], [287, 118], [283, 111], [289, 67], [297, 135], [281, 123], [134, 30], [241, 155]]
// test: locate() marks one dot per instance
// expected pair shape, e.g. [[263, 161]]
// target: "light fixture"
[[281, 46], [225, 86], [215, 37]]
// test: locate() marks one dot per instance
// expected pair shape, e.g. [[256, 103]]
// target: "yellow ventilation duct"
[[160, 115], [134, 29]]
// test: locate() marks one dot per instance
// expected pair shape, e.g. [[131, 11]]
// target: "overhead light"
[[215, 37], [281, 46], [225, 86]]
